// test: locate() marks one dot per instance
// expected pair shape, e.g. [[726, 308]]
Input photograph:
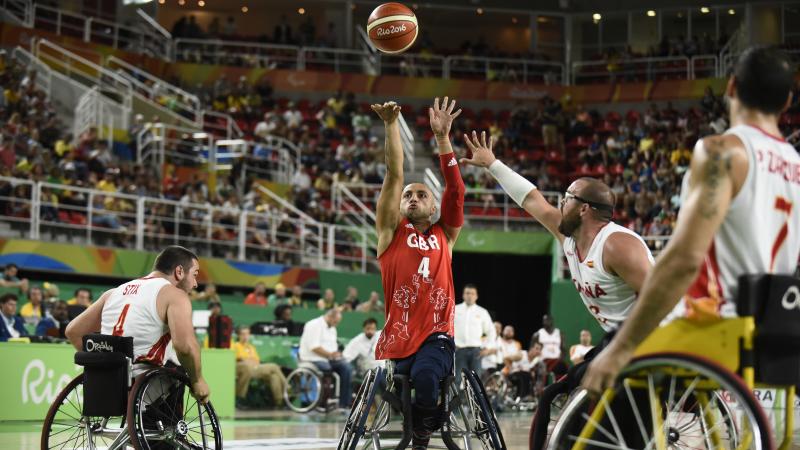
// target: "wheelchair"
[[384, 394], [678, 394], [105, 408], [504, 391], [309, 388]]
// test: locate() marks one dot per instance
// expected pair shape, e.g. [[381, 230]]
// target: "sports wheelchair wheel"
[[354, 428], [162, 414], [482, 420], [665, 401], [65, 426], [303, 390]]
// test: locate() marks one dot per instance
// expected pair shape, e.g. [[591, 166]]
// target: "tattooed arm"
[[718, 169]]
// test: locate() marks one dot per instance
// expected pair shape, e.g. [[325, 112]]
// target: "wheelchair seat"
[[774, 303], [106, 362]]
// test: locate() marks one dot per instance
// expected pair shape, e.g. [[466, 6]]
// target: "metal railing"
[[55, 212], [354, 203], [224, 52], [407, 139], [158, 90], [19, 11], [220, 124], [111, 85], [96, 30], [95, 111], [638, 69], [505, 69], [493, 206]]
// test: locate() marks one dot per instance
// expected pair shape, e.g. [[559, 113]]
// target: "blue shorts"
[[432, 362]]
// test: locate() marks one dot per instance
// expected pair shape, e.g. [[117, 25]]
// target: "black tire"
[[485, 423], [677, 380], [162, 414], [66, 413], [355, 426]]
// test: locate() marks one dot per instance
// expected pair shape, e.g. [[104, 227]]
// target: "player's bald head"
[[597, 192], [416, 203]]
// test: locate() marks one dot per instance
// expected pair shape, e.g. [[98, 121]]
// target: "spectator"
[[328, 300], [538, 369], [33, 311], [292, 116], [249, 366], [297, 296], [279, 296], [578, 351], [319, 345], [471, 323], [78, 304], [51, 292], [301, 180], [220, 327], [552, 346], [283, 318], [515, 359], [351, 301], [55, 323], [360, 351], [13, 325], [374, 304], [258, 297], [209, 294], [267, 126], [10, 278], [493, 359]]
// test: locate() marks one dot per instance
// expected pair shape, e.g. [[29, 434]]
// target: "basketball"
[[392, 28]]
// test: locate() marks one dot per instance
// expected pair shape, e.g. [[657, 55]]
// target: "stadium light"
[[596, 17], [301, 11], [513, 20], [181, 2], [479, 11], [245, 9], [201, 3], [705, 10], [651, 13], [732, 11]]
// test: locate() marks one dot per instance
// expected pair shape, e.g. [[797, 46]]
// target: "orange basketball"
[[392, 28]]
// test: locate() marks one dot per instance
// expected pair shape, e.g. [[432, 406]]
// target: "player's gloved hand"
[[200, 390], [441, 117], [482, 155], [388, 111]]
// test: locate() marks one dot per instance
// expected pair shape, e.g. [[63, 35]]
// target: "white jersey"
[[130, 310], [606, 296], [551, 343], [761, 230]]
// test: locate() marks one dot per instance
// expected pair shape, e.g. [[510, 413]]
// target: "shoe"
[[420, 439]]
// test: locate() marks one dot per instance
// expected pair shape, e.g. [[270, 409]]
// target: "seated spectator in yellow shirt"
[[249, 366], [32, 311]]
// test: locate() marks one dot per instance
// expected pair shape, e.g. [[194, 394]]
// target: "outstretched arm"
[[388, 214], [452, 218], [522, 191], [718, 162]]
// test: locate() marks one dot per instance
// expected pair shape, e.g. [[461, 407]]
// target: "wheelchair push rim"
[[65, 423], [162, 410], [667, 400], [354, 427], [484, 425], [303, 390]]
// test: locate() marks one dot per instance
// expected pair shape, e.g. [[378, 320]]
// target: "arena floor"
[[271, 430]]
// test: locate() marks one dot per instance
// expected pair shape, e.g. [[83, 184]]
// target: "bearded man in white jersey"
[[608, 262], [736, 216], [156, 311]]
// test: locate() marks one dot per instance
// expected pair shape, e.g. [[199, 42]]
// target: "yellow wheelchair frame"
[[728, 343]]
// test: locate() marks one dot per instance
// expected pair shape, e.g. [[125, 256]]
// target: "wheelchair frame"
[[728, 343], [459, 409], [319, 381]]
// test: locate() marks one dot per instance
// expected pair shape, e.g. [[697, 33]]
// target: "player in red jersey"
[[415, 258]]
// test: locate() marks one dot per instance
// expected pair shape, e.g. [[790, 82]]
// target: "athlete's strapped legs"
[[432, 363], [345, 372]]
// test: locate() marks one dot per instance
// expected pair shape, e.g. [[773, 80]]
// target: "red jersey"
[[417, 276]]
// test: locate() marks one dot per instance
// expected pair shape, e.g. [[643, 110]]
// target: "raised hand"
[[441, 117], [388, 111], [482, 155]]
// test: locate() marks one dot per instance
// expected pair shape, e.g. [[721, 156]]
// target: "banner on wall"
[[34, 374], [121, 263]]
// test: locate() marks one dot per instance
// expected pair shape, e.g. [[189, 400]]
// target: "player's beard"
[[567, 226], [184, 285]]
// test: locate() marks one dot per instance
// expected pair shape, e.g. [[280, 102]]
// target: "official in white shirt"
[[472, 323], [360, 351], [319, 345]]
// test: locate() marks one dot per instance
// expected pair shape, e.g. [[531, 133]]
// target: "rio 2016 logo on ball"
[[392, 28]]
